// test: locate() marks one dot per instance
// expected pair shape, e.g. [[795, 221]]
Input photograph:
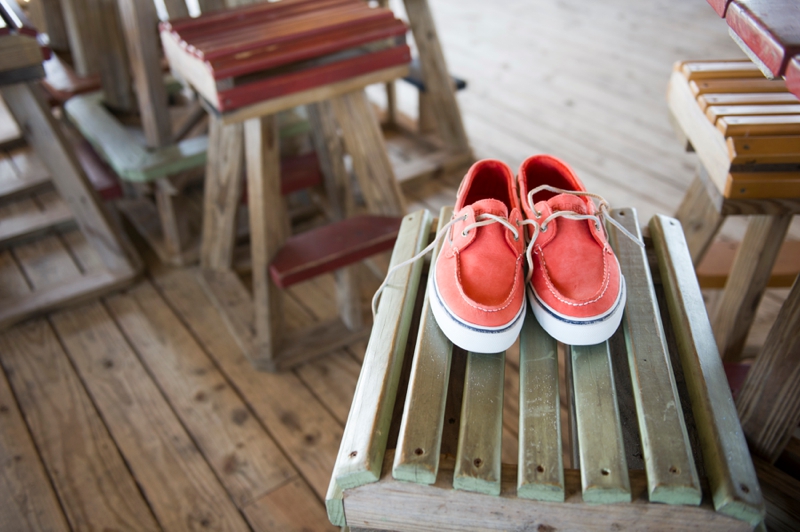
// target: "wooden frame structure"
[[738, 175], [686, 426], [40, 129], [437, 143]]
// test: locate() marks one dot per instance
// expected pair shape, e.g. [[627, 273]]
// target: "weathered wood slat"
[[450, 510], [332, 246], [730, 471], [747, 282], [363, 444], [746, 98], [420, 439], [44, 135], [200, 396], [87, 471], [742, 68], [769, 402], [308, 432], [671, 472], [30, 503], [604, 469], [480, 434], [764, 150], [122, 151], [768, 31], [540, 470], [175, 479]]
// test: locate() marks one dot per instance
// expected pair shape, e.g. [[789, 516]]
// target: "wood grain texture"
[[364, 142], [222, 194], [604, 469], [540, 470], [363, 444], [31, 503], [733, 482], [84, 464], [179, 485], [397, 505], [671, 473], [439, 89], [44, 135], [309, 433], [80, 17], [269, 228], [769, 29], [419, 443], [769, 402], [781, 493], [480, 433], [747, 282], [700, 218], [245, 459], [112, 56], [138, 21]]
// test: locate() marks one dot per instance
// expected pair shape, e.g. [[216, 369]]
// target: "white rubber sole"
[[472, 337], [579, 331]]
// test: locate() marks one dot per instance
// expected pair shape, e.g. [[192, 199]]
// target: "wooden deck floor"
[[139, 412]]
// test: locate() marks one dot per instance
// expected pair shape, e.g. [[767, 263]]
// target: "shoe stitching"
[[554, 291], [466, 298]]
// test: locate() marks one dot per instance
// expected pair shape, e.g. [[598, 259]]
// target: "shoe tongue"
[[568, 202], [490, 206]]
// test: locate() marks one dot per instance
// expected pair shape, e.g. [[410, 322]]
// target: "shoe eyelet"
[[464, 233], [543, 229], [537, 213]]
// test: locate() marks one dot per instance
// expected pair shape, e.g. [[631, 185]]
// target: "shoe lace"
[[599, 219], [480, 221]]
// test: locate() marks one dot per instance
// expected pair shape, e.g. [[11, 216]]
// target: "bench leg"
[[223, 192], [748, 279], [340, 198], [769, 405], [438, 83], [269, 229], [170, 225], [700, 219], [364, 141]]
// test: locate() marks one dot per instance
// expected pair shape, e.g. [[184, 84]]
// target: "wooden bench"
[[749, 165], [421, 448]]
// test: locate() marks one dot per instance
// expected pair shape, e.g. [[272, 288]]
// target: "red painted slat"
[[306, 26], [770, 28], [314, 77], [300, 172], [294, 51], [720, 6], [257, 11], [793, 76], [332, 247]]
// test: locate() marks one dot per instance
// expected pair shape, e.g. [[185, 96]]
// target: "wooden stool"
[[746, 132], [454, 405], [155, 155], [243, 104], [20, 71]]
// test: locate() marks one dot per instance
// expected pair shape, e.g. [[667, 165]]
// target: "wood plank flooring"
[[138, 411]]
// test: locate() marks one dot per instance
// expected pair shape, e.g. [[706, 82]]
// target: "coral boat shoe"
[[479, 280], [576, 289]]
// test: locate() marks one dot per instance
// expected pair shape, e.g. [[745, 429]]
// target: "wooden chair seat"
[[633, 469]]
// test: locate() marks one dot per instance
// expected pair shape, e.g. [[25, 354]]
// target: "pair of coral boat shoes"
[[539, 234]]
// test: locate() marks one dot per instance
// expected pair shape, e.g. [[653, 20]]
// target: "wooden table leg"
[[748, 279], [223, 192], [438, 84], [769, 403], [269, 229], [340, 198], [700, 219], [45, 136], [364, 141]]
